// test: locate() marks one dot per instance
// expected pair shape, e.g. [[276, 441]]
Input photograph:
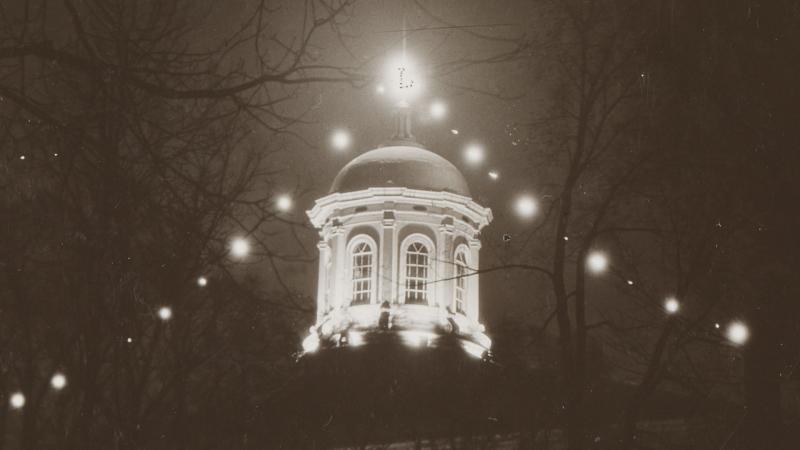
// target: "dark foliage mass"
[[138, 137]]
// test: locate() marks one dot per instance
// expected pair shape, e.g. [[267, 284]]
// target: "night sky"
[[158, 271]]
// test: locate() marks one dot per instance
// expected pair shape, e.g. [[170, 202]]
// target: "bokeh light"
[[340, 139], [240, 248], [283, 203], [738, 333], [474, 154], [58, 381], [597, 262], [438, 110], [525, 206], [17, 400], [671, 305], [165, 313]]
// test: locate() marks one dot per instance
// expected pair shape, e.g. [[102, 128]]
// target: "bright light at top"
[[403, 81], [672, 305], [474, 154], [240, 247], [738, 333], [340, 139], [283, 203], [17, 400], [165, 313], [438, 109], [525, 206], [597, 262], [58, 381]]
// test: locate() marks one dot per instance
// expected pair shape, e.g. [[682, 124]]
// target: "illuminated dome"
[[401, 166]]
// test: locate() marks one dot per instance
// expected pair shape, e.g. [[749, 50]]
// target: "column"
[[473, 288], [322, 280], [387, 269]]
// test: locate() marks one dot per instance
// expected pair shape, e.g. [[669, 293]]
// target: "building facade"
[[399, 252]]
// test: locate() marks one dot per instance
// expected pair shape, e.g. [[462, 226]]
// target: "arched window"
[[362, 271], [460, 291], [417, 272]]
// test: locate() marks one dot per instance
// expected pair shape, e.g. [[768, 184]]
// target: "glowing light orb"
[[672, 305], [283, 203], [597, 262], [738, 333], [165, 313], [716, 325], [22, 157], [340, 139], [474, 154], [129, 340], [202, 281], [240, 247], [494, 175], [630, 282], [17, 400], [438, 110], [402, 79], [454, 131], [58, 381], [526, 206]]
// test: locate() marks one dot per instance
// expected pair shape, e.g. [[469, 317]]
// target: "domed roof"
[[400, 166]]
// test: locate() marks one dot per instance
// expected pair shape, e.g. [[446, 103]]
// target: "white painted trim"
[[355, 240], [401, 276]]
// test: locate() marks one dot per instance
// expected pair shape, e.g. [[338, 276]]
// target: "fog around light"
[[340, 139], [240, 247], [597, 262], [525, 206]]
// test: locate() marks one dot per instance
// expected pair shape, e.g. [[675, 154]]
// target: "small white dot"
[[672, 305], [17, 400], [165, 313], [58, 381], [129, 340], [630, 282], [454, 131], [55, 154], [22, 157], [716, 325], [566, 238], [494, 175], [202, 281]]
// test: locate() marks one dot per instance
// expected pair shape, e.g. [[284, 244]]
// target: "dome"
[[400, 166]]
